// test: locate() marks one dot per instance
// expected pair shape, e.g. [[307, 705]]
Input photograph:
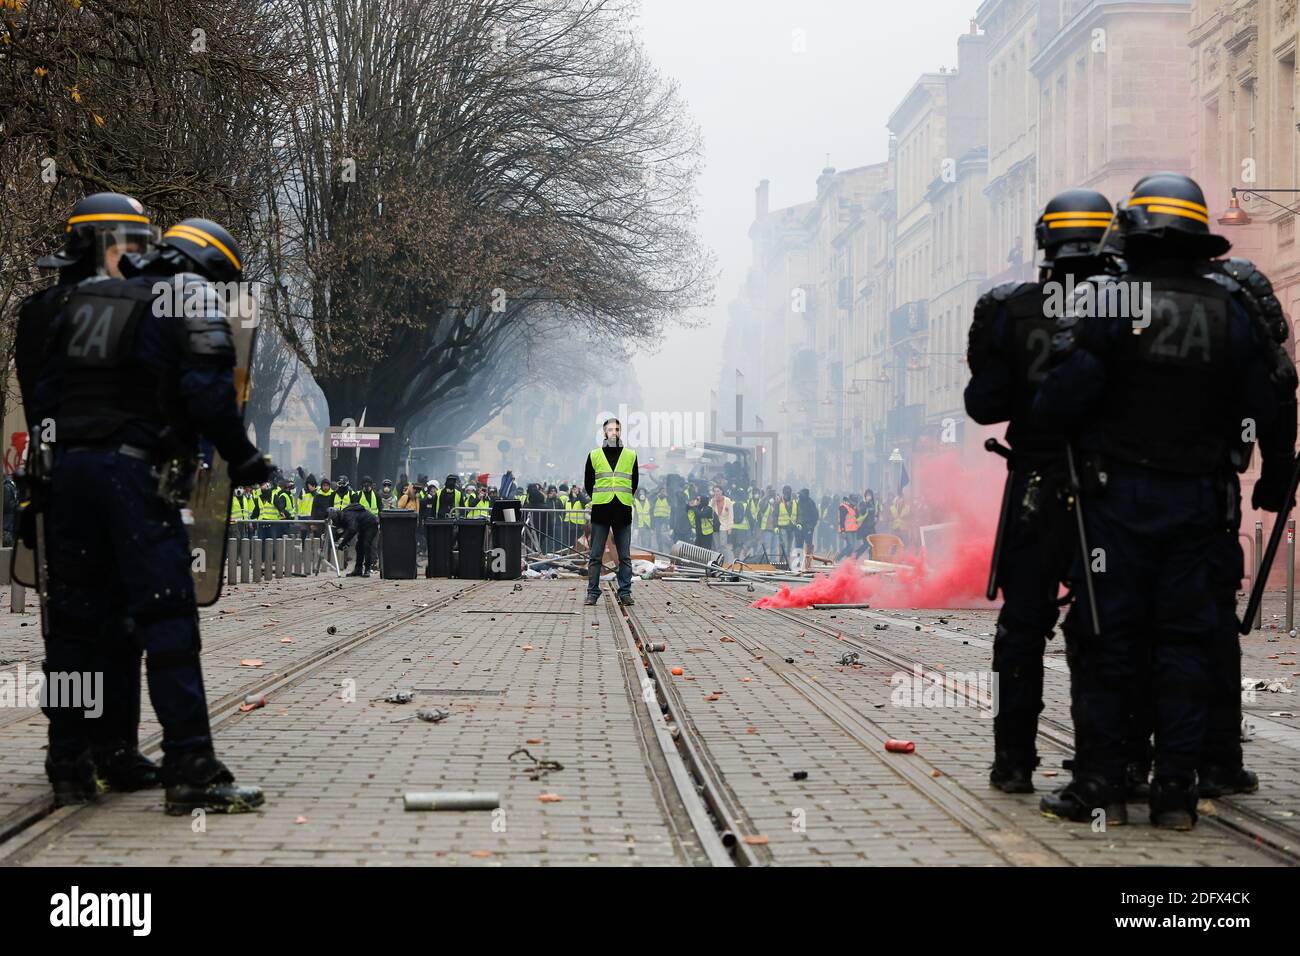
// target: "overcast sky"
[[767, 112]]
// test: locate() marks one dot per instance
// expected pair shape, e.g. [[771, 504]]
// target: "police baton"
[[1083, 540], [1270, 552], [1004, 516]]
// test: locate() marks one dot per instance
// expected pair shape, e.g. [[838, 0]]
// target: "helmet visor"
[[114, 240]]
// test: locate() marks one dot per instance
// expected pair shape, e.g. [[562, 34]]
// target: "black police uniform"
[[114, 735], [127, 388], [1153, 407], [1009, 355], [1221, 770]]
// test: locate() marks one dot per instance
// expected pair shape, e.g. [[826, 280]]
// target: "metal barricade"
[[266, 550]]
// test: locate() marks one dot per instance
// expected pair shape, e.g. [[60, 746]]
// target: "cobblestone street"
[[766, 748]]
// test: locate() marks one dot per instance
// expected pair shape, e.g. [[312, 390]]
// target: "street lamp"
[[1236, 216]]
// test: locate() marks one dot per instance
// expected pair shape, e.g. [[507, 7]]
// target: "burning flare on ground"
[[957, 488]]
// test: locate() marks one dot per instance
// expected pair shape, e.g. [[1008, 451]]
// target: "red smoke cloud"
[[961, 486]]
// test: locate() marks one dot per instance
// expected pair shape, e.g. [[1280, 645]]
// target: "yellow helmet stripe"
[[1172, 211], [106, 217], [1078, 224], [1054, 216], [1169, 201], [202, 238]]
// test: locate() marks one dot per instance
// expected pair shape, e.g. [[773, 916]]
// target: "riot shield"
[[207, 516]]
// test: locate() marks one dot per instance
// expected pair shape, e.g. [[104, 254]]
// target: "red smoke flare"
[[964, 489]]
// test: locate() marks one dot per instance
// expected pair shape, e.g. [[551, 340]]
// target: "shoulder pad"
[[1225, 280], [1009, 290], [197, 303], [1240, 269]]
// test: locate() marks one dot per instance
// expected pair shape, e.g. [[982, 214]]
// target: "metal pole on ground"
[[1259, 551], [1290, 574]]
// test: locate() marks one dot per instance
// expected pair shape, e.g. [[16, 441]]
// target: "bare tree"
[[171, 101], [467, 172], [274, 376]]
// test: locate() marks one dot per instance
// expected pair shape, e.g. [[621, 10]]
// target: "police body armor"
[[1029, 339], [103, 387], [1174, 369]]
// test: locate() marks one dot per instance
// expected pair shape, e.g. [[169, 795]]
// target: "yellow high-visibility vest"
[[616, 484], [786, 516]]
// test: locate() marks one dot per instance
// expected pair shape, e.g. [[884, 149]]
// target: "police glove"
[[1270, 492], [254, 471]]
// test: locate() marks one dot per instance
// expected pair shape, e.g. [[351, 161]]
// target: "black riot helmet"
[[1073, 224], [213, 251], [97, 223], [1168, 211]]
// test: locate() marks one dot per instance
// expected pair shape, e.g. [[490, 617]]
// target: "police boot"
[[125, 769], [198, 780], [1012, 773], [73, 780], [1173, 803], [1080, 799], [1221, 781], [1137, 786]]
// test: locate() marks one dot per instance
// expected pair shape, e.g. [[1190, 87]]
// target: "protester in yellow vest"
[[307, 498], [641, 517], [899, 512], [367, 496], [611, 478]]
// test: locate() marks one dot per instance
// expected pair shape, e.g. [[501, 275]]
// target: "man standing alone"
[[611, 480]]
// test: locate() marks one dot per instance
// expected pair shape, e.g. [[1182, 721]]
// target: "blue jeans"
[[622, 544]]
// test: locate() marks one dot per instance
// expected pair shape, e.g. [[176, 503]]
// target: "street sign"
[[358, 440]]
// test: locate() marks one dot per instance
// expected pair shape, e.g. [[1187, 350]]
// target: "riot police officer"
[[1222, 770], [133, 376], [100, 229], [1158, 367], [1008, 353]]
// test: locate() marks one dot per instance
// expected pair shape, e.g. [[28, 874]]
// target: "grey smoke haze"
[[767, 112]]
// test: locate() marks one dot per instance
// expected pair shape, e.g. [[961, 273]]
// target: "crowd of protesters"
[[732, 517]]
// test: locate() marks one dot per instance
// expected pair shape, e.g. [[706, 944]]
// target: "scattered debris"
[[397, 697], [849, 659], [1272, 686], [677, 672], [900, 746], [251, 662], [431, 715], [540, 768], [799, 775], [453, 800], [252, 702], [755, 840], [549, 797]]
